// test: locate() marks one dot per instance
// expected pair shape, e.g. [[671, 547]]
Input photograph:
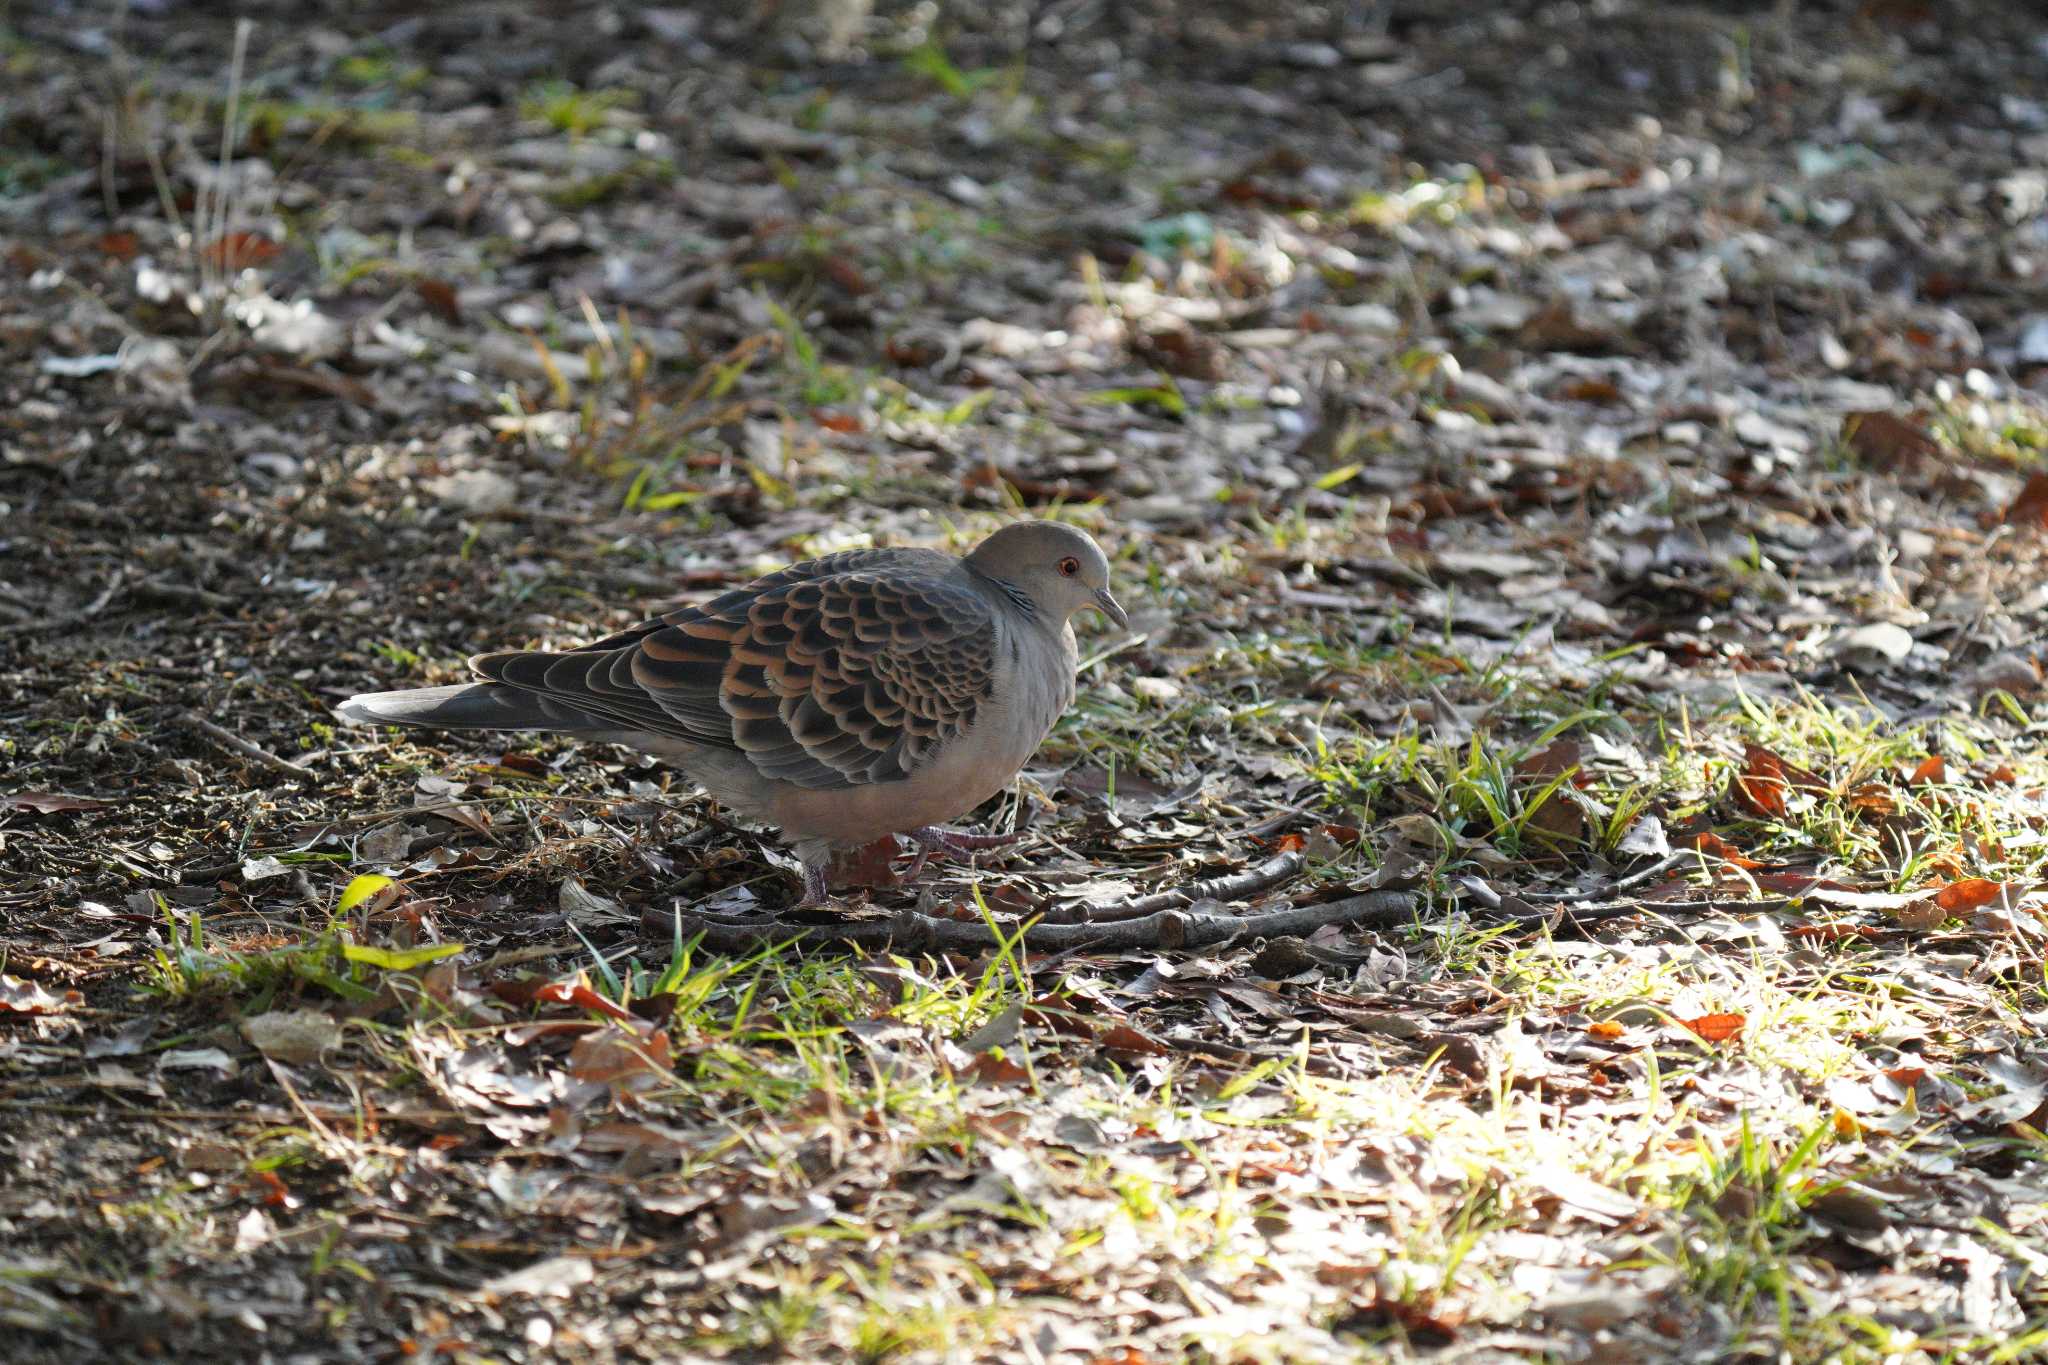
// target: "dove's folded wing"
[[848, 670]]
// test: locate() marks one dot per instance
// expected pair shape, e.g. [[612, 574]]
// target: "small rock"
[[1880, 641], [1753, 428], [2033, 349], [1165, 691], [1314, 56], [293, 1036], [480, 492], [271, 466]]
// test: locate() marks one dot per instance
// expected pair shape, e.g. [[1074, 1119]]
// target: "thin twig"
[[1633, 879], [1234, 886], [76, 618], [227, 739], [909, 931]]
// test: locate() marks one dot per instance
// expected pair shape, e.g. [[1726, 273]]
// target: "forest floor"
[[1575, 474]]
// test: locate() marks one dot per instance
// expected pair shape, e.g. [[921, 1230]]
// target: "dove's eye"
[[1069, 567]]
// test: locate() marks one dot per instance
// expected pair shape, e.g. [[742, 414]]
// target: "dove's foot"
[[954, 843]]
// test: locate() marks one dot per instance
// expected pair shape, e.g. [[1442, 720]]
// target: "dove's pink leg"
[[815, 890]]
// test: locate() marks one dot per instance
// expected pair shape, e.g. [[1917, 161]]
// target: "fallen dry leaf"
[[50, 803], [623, 1058], [29, 997], [1921, 914], [240, 250], [1765, 781], [580, 995], [1716, 1028], [2030, 508], [989, 1069], [1966, 895], [1124, 1038], [1714, 846], [1887, 441]]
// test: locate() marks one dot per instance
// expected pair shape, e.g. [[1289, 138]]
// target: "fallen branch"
[[910, 931], [229, 740], [1232, 886]]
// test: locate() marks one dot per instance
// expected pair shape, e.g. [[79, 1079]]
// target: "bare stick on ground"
[[233, 742]]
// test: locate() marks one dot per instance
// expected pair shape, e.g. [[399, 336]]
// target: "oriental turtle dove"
[[863, 694]]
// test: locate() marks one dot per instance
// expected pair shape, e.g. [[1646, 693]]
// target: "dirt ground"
[[1553, 872]]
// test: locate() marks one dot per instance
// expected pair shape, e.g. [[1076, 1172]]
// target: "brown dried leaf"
[[1714, 846], [1134, 1042], [1887, 441], [624, 1058], [579, 994], [1961, 897], [440, 298], [240, 250], [989, 1069], [1716, 1028], [2030, 508], [1766, 780], [29, 997], [50, 803]]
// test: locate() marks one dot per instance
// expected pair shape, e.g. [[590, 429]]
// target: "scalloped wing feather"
[[843, 671]]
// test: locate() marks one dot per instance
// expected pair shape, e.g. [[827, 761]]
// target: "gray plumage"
[[842, 699]]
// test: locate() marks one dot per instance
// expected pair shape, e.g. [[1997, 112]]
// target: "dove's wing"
[[846, 670]]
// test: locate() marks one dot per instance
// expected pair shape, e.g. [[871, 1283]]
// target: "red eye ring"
[[1069, 567]]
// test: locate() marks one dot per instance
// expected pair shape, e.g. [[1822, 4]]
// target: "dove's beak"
[[1111, 609]]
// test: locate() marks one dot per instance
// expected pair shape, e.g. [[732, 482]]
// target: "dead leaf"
[[1933, 770], [1766, 781], [1716, 1028], [555, 1278], [1714, 846], [29, 997], [241, 250], [847, 276], [440, 298], [1886, 441], [1557, 326], [625, 1059], [50, 803], [1961, 897], [1559, 816], [579, 994], [989, 1069], [2030, 508], [869, 865], [1920, 915], [1123, 1038], [1581, 1196]]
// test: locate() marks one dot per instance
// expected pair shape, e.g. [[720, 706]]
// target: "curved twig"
[[1231, 886], [909, 931], [1633, 879]]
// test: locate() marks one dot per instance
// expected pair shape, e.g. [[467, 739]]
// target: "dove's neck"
[[1009, 595]]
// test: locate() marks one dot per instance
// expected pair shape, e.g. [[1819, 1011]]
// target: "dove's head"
[[1059, 568]]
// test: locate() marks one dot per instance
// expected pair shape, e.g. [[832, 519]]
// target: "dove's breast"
[[1036, 685]]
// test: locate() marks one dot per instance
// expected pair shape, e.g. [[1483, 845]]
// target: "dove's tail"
[[468, 706]]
